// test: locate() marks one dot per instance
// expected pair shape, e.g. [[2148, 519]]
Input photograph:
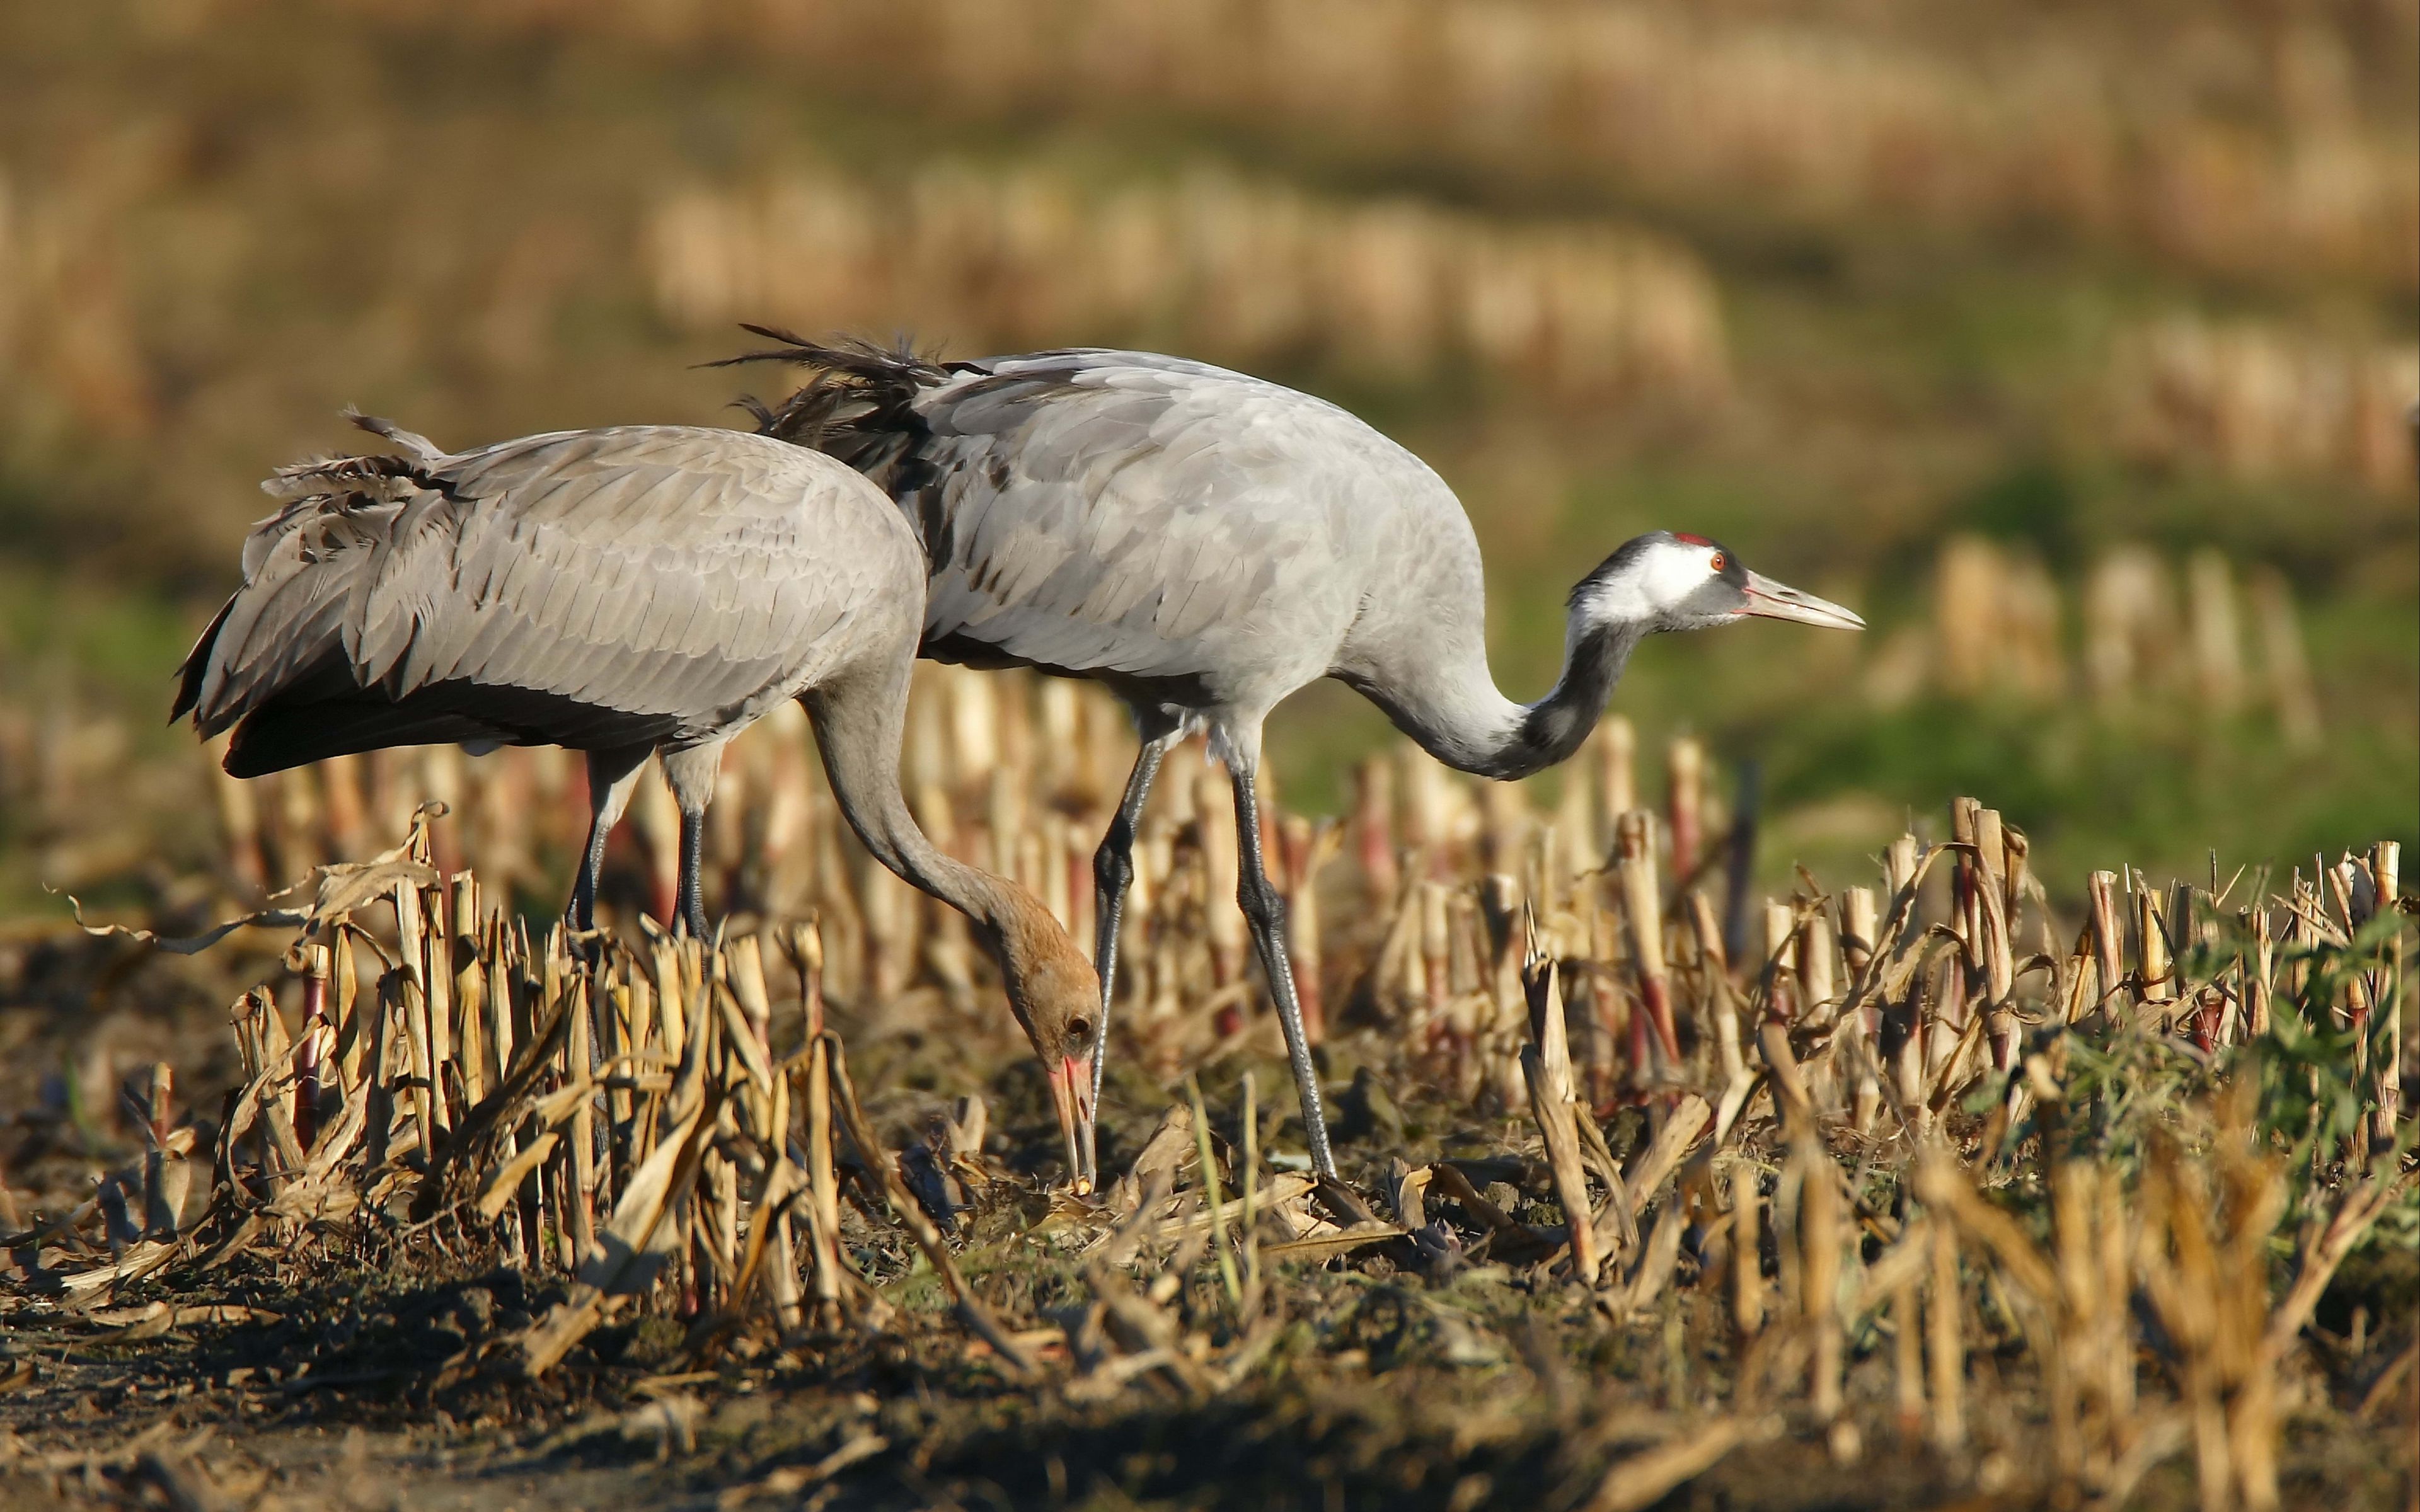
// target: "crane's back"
[[1167, 525], [635, 586]]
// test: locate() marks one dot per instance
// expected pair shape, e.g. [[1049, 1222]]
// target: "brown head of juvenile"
[[1056, 996]]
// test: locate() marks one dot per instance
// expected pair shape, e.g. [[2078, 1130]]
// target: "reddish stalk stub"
[[308, 1081], [1658, 995]]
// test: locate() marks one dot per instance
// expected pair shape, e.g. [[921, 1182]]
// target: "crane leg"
[[693, 870], [1267, 914], [1112, 873], [690, 775], [612, 776]]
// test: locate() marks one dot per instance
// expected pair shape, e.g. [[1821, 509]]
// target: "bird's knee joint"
[[1262, 904]]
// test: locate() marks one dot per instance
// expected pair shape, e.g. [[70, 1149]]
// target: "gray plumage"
[[642, 590], [1207, 542], [653, 584], [1186, 534]]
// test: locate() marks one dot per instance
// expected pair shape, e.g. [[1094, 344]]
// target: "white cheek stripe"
[[1670, 575]]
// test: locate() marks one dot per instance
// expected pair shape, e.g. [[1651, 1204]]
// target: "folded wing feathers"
[[647, 571], [303, 576]]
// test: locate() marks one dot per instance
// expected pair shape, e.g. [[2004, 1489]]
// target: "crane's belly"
[[1183, 644]]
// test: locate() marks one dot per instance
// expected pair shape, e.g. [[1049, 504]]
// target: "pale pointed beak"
[[1071, 1092], [1770, 600]]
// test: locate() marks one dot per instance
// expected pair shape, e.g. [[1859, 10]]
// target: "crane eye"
[[1715, 562]]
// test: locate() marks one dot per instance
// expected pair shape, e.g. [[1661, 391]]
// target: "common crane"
[[1204, 543]]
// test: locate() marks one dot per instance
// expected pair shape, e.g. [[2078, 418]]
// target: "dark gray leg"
[[1265, 912], [582, 915], [1112, 873], [693, 868], [611, 775], [690, 776]]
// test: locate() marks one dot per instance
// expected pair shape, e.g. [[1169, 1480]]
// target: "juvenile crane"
[[1204, 543], [651, 589]]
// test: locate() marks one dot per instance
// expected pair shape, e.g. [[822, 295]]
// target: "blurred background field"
[[2072, 344]]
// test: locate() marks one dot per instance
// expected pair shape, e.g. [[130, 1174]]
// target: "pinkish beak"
[[1770, 600], [1071, 1093]]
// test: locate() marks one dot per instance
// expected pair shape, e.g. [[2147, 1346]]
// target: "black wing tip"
[[247, 756], [188, 692], [196, 667], [277, 735], [789, 347], [859, 357], [780, 333], [853, 384]]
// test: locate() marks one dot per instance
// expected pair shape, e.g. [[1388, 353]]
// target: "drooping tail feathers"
[[423, 450], [337, 475], [280, 636], [857, 404]]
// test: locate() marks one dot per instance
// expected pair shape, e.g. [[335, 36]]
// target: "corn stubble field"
[[2071, 345], [1901, 1189]]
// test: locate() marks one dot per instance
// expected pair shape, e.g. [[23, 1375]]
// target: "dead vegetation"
[[1873, 1192]]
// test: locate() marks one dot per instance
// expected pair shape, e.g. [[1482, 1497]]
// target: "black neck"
[[1554, 727]]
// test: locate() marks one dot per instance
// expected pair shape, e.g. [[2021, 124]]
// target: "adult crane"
[[648, 589], [1206, 542]]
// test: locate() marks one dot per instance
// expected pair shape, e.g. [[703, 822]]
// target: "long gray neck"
[[860, 725], [1455, 714], [1551, 729]]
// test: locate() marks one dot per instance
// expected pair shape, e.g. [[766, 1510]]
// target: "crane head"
[[1056, 996], [1664, 581]]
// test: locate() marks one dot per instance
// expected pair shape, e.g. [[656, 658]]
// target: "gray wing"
[[648, 584], [1144, 516]]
